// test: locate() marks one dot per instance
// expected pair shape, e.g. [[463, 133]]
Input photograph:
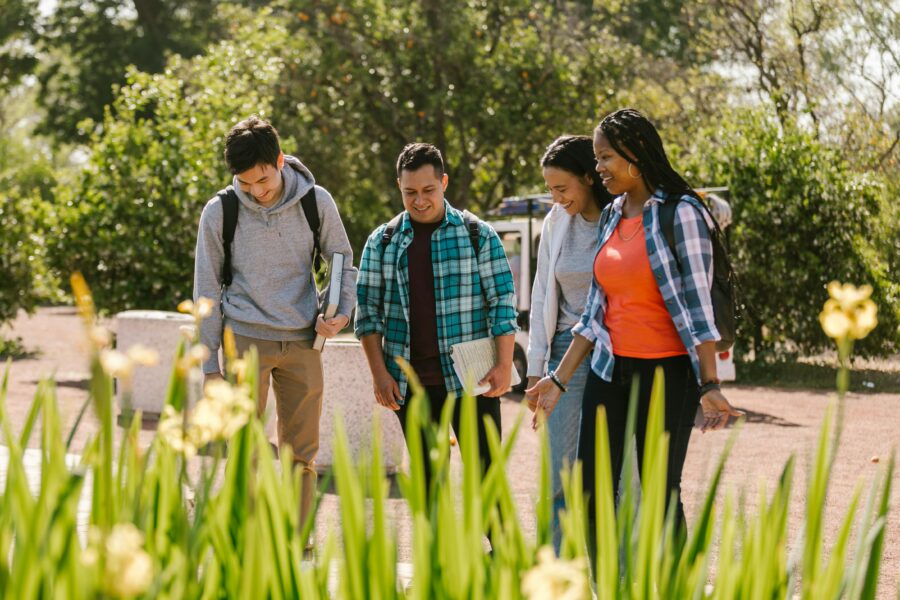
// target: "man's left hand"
[[498, 378], [328, 328]]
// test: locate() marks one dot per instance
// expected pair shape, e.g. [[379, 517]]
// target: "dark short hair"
[[251, 142], [417, 155], [575, 154]]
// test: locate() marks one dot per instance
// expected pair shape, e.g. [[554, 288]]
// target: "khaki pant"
[[295, 370]]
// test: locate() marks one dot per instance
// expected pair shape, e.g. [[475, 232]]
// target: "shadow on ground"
[[758, 418]]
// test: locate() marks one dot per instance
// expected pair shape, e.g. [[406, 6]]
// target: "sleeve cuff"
[[504, 328], [535, 365], [361, 330], [584, 331]]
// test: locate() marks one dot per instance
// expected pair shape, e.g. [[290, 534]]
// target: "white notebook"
[[473, 359], [335, 276]]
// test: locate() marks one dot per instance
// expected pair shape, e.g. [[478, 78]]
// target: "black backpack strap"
[[229, 200], [474, 231], [471, 225], [666, 216], [311, 210], [388, 234]]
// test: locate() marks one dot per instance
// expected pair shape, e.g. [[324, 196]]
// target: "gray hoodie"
[[272, 295]]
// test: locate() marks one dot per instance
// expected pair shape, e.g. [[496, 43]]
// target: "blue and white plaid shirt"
[[462, 283], [683, 283]]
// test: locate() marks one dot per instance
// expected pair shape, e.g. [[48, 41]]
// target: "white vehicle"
[[512, 223]]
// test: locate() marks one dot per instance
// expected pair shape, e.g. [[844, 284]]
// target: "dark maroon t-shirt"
[[424, 354]]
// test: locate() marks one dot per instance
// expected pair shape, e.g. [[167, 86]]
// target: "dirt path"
[[779, 423]]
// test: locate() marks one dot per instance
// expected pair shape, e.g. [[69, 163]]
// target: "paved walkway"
[[779, 423]]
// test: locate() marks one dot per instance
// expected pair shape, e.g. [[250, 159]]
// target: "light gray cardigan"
[[544, 292]]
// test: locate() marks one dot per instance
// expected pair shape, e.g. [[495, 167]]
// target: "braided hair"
[[634, 138], [575, 154]]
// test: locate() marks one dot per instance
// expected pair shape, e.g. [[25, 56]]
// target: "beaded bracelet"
[[553, 377]]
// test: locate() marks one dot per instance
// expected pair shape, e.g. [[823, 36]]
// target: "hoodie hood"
[[298, 180]]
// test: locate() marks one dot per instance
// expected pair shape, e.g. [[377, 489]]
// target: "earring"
[[633, 176]]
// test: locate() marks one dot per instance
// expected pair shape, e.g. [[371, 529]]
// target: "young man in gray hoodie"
[[272, 302]]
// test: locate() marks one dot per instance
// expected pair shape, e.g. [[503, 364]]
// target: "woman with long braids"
[[569, 241], [646, 308]]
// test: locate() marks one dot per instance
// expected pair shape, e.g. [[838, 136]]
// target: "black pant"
[[681, 398], [434, 405]]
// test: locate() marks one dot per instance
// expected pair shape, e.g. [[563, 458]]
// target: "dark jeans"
[[437, 395], [682, 399]]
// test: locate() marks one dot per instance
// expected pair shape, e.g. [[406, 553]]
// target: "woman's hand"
[[716, 410], [532, 400], [544, 395]]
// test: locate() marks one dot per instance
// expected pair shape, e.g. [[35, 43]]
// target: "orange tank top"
[[636, 317]]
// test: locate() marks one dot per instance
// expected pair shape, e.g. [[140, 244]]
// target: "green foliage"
[[17, 255], [88, 45], [490, 84], [801, 217], [17, 25], [129, 223], [233, 532], [26, 183], [12, 348]]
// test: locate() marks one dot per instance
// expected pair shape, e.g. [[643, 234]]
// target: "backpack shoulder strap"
[[474, 230], [666, 215], [311, 210], [229, 200], [388, 234], [472, 227]]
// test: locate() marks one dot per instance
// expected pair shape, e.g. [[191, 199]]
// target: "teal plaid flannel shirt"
[[474, 296]]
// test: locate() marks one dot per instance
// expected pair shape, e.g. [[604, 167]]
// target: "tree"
[[88, 44], [129, 222], [17, 29], [491, 84], [832, 64]]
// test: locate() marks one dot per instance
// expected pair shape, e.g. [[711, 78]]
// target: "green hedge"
[[24, 217], [802, 216]]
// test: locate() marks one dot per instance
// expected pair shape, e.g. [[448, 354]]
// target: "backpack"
[[722, 290], [230, 207], [471, 225]]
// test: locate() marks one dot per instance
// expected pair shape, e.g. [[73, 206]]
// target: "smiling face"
[[423, 193], [619, 176], [263, 182], [571, 192]]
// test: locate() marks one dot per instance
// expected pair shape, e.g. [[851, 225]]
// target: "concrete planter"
[[348, 392], [160, 331]]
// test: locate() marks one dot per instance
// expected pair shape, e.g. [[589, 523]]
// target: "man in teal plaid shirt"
[[422, 288]]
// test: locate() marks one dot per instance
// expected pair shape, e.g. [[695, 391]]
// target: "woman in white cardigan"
[[569, 242]]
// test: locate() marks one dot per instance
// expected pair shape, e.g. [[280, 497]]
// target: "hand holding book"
[[473, 362], [327, 324]]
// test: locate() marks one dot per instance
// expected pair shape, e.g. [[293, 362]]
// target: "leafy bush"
[[130, 222], [802, 216], [238, 535], [25, 188]]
